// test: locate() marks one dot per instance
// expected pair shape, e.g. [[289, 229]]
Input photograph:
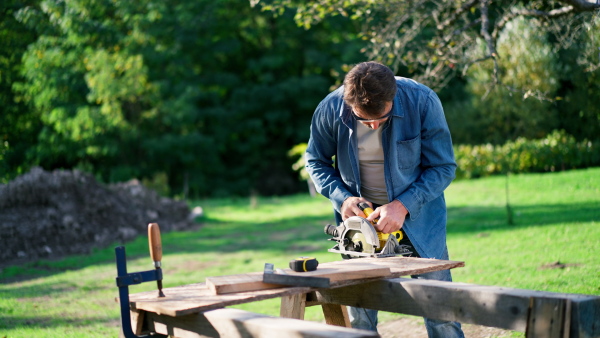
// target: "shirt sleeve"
[[321, 149]]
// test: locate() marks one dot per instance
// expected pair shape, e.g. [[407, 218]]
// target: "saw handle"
[[364, 207], [154, 243]]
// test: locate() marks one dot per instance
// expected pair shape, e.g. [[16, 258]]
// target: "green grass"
[[556, 218]]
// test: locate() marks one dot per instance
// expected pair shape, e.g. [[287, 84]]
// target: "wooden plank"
[[335, 272], [194, 298], [407, 266], [237, 323], [233, 323], [238, 283], [467, 303]]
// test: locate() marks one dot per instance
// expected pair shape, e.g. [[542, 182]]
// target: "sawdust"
[[59, 213], [413, 327]]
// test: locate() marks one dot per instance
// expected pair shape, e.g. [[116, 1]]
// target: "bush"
[[557, 151]]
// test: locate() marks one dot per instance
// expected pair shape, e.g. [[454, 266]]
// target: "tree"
[[495, 114], [457, 48], [18, 126], [580, 84], [207, 94], [434, 39]]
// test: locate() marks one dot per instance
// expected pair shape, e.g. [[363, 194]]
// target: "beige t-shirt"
[[370, 159]]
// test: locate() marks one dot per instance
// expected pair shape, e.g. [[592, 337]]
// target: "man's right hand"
[[350, 207]]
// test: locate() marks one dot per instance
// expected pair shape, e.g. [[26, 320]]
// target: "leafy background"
[[206, 98]]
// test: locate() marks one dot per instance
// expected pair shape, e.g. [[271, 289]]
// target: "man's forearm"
[[328, 183]]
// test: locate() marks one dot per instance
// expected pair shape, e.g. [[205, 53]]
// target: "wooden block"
[[137, 321], [336, 315], [336, 273], [293, 306], [233, 323], [585, 317], [548, 317]]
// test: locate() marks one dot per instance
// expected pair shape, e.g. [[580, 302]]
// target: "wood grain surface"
[[194, 298]]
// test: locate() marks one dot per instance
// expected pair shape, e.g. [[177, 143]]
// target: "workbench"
[[195, 310]]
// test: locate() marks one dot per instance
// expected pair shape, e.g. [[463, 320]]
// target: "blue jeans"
[[366, 319]]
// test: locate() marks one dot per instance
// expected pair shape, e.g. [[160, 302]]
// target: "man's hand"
[[391, 217], [350, 207]]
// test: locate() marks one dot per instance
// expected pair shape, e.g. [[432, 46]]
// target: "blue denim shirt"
[[418, 159]]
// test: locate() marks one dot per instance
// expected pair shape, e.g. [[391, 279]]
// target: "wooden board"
[[195, 298], [233, 323], [335, 272], [238, 323], [539, 313]]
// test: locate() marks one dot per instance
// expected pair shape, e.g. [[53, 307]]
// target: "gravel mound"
[[53, 214]]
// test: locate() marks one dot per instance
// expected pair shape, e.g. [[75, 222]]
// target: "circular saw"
[[357, 237]]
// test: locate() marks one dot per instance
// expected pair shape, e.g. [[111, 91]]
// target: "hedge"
[[557, 151]]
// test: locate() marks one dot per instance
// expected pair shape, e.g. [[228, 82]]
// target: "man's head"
[[369, 88]]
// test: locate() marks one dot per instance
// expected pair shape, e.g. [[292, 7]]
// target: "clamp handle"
[[155, 243]]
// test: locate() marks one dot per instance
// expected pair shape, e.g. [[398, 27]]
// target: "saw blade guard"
[[359, 224]]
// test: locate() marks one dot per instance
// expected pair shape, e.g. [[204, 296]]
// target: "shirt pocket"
[[409, 153]]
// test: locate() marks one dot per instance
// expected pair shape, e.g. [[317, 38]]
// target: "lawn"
[[552, 245]]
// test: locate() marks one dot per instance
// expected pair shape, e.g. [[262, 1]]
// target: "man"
[[393, 150]]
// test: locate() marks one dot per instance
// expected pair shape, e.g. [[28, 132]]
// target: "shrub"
[[557, 151]]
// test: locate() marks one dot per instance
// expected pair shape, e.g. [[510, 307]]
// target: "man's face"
[[373, 122]]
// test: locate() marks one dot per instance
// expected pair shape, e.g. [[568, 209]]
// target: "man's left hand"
[[391, 217]]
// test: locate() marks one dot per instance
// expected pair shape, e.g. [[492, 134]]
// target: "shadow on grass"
[[304, 233], [41, 291], [474, 219], [35, 322], [287, 235]]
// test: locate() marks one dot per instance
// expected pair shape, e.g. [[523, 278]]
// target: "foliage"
[[18, 126], [208, 93], [503, 69], [558, 151], [205, 98], [298, 152], [494, 113], [432, 38], [579, 114]]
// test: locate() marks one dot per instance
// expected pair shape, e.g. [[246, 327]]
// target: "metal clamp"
[[123, 281]]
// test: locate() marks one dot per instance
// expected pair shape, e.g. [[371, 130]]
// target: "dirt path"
[[413, 327]]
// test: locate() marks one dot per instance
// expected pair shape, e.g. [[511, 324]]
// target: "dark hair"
[[368, 86]]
